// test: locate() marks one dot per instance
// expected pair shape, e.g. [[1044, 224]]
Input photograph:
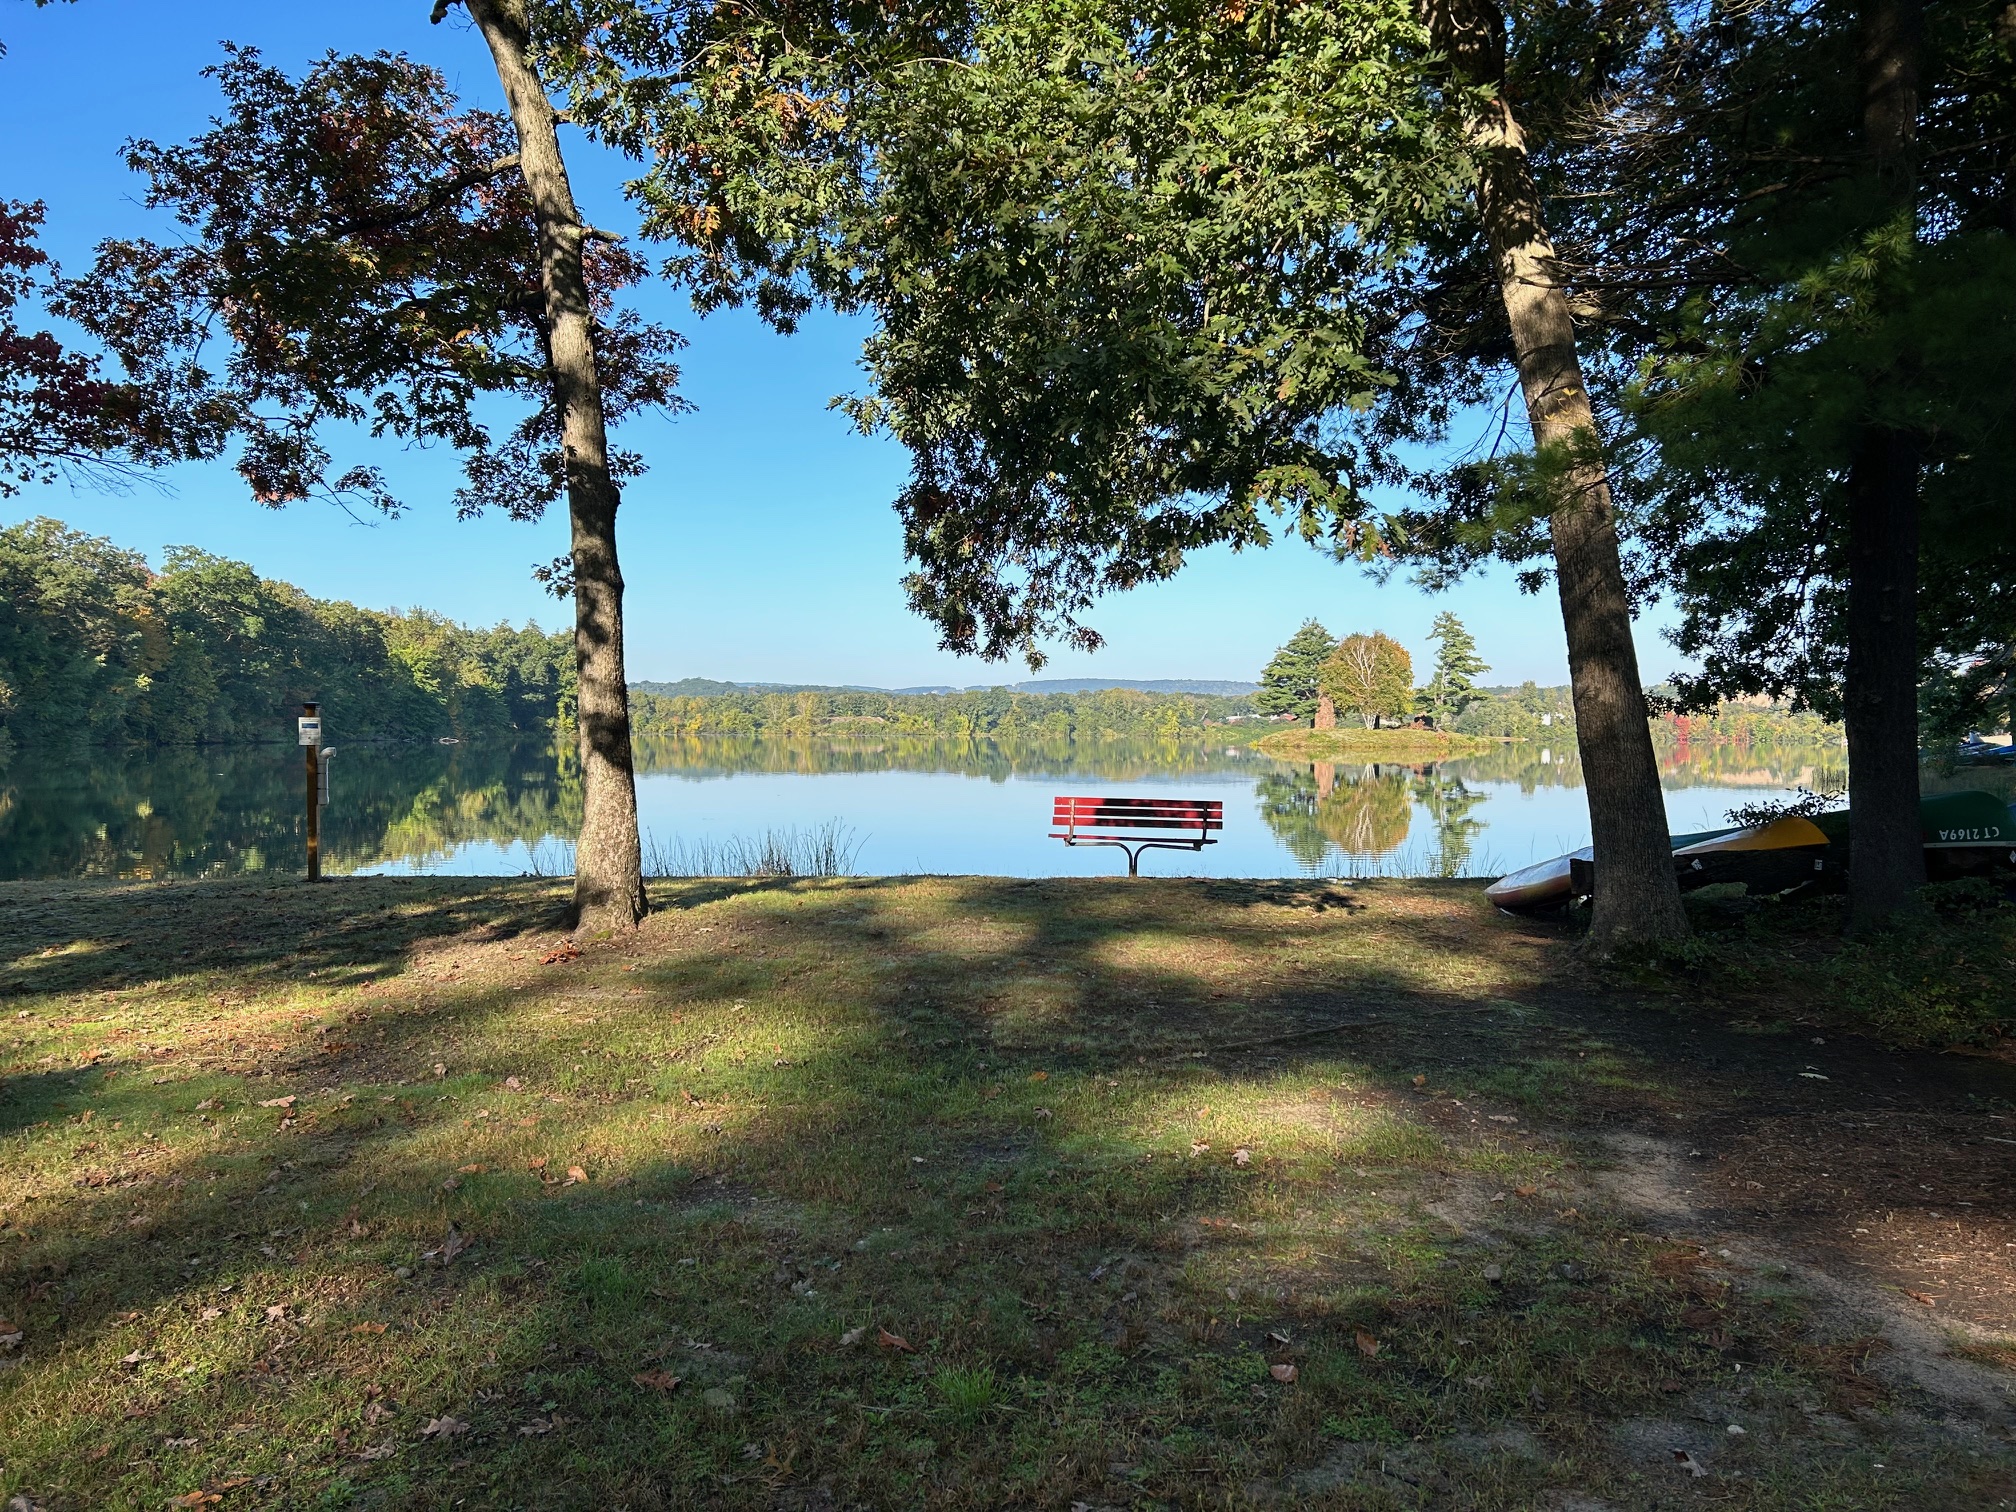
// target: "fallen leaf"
[[369, 1328], [195, 1499], [470, 1170], [1283, 1373], [451, 1184], [657, 1380], [1501, 1118], [280, 1102], [1690, 1464], [444, 1427], [1420, 1081], [451, 1246], [1917, 1296], [1198, 1147], [853, 1336], [535, 1428], [208, 1105], [1367, 1345], [889, 1340], [536, 1163], [378, 1451], [1525, 1191], [1242, 1157], [277, 1312], [439, 1069], [566, 950], [575, 1173], [514, 1084], [1039, 1076]]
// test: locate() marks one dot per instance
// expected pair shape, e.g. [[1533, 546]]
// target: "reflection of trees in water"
[[699, 757], [182, 812], [1360, 811], [1779, 766], [1448, 802]]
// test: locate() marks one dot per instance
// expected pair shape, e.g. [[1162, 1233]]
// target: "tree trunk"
[[1887, 856], [1637, 894], [1326, 712], [608, 865]]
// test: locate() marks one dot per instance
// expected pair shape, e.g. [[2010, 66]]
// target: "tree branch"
[[440, 195]]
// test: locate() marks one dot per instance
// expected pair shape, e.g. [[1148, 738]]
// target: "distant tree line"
[[987, 713], [95, 645]]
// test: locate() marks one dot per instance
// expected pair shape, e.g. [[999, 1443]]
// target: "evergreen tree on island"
[[1453, 687], [1289, 684]]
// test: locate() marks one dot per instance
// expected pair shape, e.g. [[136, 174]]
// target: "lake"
[[903, 807]]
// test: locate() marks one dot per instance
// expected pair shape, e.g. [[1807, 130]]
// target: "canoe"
[[1963, 832], [1545, 884]]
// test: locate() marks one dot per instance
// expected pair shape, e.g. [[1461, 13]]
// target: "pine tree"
[[1453, 688], [1288, 686]]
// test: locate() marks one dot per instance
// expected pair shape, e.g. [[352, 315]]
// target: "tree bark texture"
[[1880, 705], [1637, 893], [608, 862]]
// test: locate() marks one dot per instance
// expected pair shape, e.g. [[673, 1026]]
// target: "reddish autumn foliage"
[[56, 412]]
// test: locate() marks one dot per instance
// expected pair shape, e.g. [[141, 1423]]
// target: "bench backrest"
[[1079, 815]]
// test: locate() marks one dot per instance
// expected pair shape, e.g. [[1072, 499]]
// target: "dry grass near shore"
[[947, 1193]]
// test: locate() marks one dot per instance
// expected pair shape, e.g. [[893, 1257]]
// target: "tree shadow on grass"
[[988, 1117]]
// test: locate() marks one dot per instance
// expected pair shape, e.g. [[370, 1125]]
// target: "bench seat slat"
[[1084, 823]]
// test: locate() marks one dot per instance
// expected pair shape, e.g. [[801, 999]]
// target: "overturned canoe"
[[1965, 831], [1709, 856]]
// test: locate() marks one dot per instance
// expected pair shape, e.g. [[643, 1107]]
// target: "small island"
[[1344, 743]]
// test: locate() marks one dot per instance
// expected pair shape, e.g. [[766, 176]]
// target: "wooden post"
[[313, 752]]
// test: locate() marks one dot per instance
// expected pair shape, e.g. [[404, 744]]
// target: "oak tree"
[[362, 251], [1371, 676]]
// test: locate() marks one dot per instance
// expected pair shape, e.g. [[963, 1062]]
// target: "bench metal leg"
[[1134, 848]]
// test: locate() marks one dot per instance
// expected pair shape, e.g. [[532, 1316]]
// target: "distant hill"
[[701, 687], [1213, 687]]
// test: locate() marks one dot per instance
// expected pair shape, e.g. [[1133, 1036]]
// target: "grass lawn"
[[964, 1193]]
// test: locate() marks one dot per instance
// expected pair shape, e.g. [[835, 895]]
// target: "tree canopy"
[[1290, 683], [1452, 687], [1371, 676], [363, 253]]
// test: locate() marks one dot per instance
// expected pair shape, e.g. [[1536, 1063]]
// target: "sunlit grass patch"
[[940, 1193]]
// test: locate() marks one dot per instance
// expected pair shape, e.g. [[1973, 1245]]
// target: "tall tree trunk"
[[608, 864], [1637, 893], [1886, 862]]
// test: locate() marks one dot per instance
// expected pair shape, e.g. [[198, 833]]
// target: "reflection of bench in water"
[[1185, 822]]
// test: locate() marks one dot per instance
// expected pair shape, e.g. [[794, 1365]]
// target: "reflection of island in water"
[[1332, 810], [1368, 811], [210, 811]]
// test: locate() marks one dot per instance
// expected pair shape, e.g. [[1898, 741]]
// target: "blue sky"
[[761, 546]]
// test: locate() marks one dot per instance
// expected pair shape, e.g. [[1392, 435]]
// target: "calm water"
[[512, 808]]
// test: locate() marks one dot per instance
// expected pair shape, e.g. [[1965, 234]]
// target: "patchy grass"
[[948, 1193], [1940, 977]]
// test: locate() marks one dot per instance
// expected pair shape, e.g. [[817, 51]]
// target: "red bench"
[[1185, 822]]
